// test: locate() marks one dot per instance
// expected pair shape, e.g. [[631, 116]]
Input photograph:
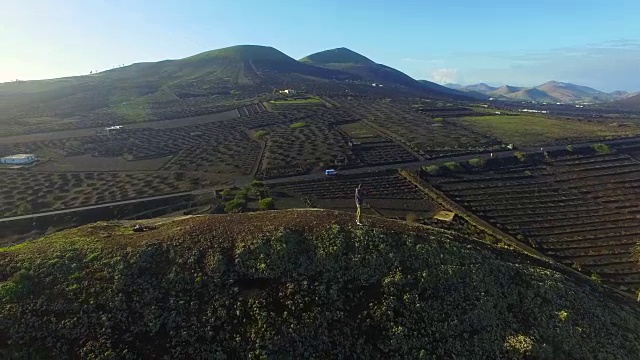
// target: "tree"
[[522, 156], [267, 204], [570, 148], [235, 206], [260, 134]]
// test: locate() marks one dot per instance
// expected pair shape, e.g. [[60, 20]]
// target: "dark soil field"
[[25, 192], [421, 129], [583, 210], [387, 194]]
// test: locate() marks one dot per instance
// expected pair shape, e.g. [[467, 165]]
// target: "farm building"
[[18, 159], [287, 91]]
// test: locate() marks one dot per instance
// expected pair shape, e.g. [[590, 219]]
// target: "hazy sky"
[[594, 43]]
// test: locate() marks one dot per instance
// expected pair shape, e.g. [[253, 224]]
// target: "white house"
[[287, 91], [18, 159]]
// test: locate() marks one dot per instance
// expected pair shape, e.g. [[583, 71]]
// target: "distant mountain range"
[[552, 91]]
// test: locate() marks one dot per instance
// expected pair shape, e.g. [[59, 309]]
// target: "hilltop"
[[350, 61], [298, 284]]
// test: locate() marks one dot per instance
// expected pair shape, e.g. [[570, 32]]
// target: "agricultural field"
[[583, 210], [213, 143], [24, 192], [305, 147], [414, 126], [539, 130], [387, 193]]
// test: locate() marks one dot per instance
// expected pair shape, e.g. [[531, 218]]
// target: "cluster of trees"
[[238, 203]]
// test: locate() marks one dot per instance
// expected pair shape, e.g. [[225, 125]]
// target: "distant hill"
[[349, 61], [567, 92], [298, 284], [632, 102], [481, 88], [552, 91], [533, 94], [505, 90]]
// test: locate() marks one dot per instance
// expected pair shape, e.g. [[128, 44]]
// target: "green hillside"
[[337, 56], [298, 284], [351, 62]]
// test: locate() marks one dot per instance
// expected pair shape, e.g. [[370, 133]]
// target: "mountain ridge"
[[551, 91]]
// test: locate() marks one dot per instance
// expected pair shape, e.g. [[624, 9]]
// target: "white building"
[[18, 159], [287, 91]]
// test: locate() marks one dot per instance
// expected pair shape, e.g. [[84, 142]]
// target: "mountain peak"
[[340, 55], [242, 52]]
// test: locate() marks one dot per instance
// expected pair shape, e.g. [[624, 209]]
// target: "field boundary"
[[440, 198], [418, 154]]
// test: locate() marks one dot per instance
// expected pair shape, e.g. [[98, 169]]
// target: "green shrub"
[[522, 156], [260, 134], [267, 204], [601, 148], [477, 163], [570, 148], [226, 193], [439, 119], [433, 169], [298, 124], [454, 167], [235, 206]]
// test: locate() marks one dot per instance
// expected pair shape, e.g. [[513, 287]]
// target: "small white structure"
[[287, 91], [18, 159], [110, 129]]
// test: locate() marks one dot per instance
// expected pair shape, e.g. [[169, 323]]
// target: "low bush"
[[477, 163], [267, 204], [235, 206], [601, 148], [260, 134], [454, 167], [433, 169], [298, 125]]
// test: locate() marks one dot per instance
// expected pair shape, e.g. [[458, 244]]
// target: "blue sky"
[[594, 43]]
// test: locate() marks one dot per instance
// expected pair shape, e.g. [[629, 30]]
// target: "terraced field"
[[420, 130], [388, 194], [582, 210], [27, 192]]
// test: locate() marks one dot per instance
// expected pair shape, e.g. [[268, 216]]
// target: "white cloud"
[[445, 76]]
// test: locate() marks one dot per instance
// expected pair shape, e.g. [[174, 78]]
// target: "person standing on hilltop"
[[359, 202]]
